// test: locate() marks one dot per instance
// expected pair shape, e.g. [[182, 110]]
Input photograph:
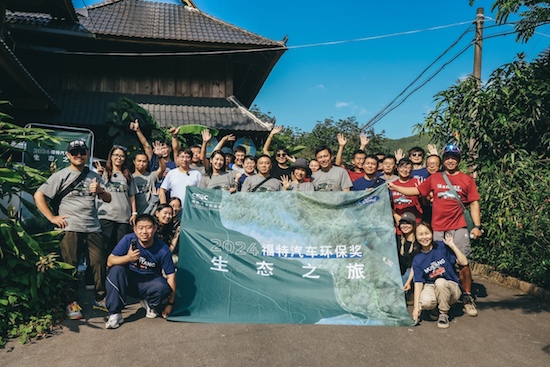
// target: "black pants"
[[113, 232]]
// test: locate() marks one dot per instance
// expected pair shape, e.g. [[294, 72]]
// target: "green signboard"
[[44, 157], [289, 257]]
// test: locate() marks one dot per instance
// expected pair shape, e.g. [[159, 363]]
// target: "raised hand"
[[432, 149], [399, 155], [99, 168], [95, 187], [174, 130], [229, 137], [364, 140], [206, 136], [276, 130], [134, 125], [157, 148], [342, 139]]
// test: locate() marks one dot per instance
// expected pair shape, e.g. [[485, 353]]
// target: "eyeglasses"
[[281, 154], [417, 155], [116, 146], [75, 152]]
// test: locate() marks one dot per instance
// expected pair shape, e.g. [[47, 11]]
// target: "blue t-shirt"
[[363, 184], [152, 259], [421, 172], [438, 263]]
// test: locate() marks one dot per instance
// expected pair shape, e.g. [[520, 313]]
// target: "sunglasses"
[[77, 151], [116, 146], [417, 155], [281, 154]]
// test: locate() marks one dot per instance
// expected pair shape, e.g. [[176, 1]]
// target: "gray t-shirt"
[[200, 168], [335, 179], [302, 186], [144, 185], [119, 209], [223, 181], [270, 185], [80, 204]]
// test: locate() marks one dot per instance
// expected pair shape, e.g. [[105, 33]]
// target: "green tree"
[[532, 14], [325, 134], [31, 274], [509, 117]]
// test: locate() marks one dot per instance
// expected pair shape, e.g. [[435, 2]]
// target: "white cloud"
[[342, 104]]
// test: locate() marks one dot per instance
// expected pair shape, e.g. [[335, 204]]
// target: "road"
[[511, 329]]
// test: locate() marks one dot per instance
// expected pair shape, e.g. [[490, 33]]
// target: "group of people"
[[127, 223]]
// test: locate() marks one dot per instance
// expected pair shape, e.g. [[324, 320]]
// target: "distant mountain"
[[391, 145]]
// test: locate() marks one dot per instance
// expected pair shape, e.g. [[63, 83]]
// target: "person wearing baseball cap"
[[72, 192], [448, 215]]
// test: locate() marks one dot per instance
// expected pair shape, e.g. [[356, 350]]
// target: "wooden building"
[[63, 65]]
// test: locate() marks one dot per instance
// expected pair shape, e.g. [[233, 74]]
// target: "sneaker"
[[114, 321], [469, 306], [73, 311], [100, 305], [150, 313], [443, 321], [434, 314]]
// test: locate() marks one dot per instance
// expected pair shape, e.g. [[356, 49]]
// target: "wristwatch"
[[479, 227]]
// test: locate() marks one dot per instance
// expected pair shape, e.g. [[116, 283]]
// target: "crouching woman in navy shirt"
[[435, 281], [136, 266]]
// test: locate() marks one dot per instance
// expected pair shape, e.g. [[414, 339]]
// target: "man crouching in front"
[[136, 265]]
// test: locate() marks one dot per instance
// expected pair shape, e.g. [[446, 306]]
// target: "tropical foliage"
[[508, 118], [32, 276]]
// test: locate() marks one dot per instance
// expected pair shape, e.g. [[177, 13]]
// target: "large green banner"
[[289, 257]]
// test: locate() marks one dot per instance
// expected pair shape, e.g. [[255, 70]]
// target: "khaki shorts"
[[461, 237]]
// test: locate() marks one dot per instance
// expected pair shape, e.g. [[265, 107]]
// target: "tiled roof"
[[90, 108], [152, 21]]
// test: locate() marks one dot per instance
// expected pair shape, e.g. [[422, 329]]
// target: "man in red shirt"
[[447, 216]]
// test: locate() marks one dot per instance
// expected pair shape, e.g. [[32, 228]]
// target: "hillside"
[[391, 145]]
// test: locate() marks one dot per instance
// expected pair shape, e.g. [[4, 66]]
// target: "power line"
[[388, 108], [264, 49]]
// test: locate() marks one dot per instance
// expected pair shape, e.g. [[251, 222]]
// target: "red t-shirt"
[[403, 203], [354, 175], [447, 214]]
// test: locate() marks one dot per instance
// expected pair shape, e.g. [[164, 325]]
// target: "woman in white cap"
[[299, 172]]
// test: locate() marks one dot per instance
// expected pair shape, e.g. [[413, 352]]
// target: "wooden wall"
[[191, 77]]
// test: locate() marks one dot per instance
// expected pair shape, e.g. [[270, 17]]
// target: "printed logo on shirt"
[[436, 269], [446, 195], [325, 186], [82, 189], [117, 187], [402, 200]]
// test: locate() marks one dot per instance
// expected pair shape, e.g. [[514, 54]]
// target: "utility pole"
[[473, 143], [480, 17]]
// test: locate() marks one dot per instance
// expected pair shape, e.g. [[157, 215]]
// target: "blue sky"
[[359, 78]]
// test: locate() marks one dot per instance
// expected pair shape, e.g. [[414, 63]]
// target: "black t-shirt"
[[277, 172], [405, 259]]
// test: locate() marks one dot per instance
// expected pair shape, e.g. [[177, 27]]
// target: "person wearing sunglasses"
[[76, 188], [416, 155], [279, 165]]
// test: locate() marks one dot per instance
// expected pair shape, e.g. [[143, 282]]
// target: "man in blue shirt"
[[136, 266]]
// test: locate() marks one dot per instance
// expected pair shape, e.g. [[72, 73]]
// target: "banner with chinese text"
[[289, 257]]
